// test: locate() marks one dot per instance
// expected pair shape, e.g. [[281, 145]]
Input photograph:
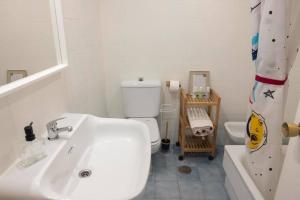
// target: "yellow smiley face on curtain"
[[256, 132]]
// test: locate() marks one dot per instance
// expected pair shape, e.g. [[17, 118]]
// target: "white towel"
[[200, 122]]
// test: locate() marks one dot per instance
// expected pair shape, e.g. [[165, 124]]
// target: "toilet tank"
[[141, 98]]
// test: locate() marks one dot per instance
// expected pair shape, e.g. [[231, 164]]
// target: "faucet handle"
[[53, 123]]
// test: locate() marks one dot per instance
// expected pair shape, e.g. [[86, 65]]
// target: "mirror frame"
[[61, 53]]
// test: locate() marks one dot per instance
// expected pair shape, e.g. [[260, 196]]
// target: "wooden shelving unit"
[[195, 144]]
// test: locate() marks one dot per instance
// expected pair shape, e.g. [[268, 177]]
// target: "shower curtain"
[[274, 49]]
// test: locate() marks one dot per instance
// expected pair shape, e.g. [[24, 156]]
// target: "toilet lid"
[[153, 128]]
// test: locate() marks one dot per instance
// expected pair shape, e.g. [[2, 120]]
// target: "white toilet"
[[236, 131], [142, 102]]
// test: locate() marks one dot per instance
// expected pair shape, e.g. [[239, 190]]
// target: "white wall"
[[79, 89], [85, 82], [293, 92], [166, 39], [294, 81]]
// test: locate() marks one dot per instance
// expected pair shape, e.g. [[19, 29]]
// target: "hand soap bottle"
[[32, 151]]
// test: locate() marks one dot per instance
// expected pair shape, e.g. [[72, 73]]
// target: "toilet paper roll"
[[174, 86]]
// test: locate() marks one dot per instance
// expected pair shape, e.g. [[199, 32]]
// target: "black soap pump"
[[32, 151], [29, 133]]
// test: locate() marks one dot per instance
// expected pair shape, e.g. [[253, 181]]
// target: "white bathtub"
[[238, 183]]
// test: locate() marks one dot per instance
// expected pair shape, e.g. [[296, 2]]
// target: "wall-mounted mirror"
[[32, 42]]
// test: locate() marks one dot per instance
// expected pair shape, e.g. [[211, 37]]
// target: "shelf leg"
[[210, 157], [213, 152], [181, 157]]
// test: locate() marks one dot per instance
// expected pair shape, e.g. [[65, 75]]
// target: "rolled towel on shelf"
[[200, 122]]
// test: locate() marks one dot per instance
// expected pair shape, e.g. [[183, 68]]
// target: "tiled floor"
[[205, 182]]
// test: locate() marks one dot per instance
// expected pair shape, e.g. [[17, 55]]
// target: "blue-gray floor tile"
[[193, 176], [165, 174], [149, 191], [163, 159], [151, 173], [219, 157], [175, 150], [166, 190], [191, 190], [151, 177], [211, 173], [204, 182], [215, 191], [192, 160]]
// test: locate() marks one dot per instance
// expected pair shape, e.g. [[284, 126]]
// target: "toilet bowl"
[[236, 131], [154, 132]]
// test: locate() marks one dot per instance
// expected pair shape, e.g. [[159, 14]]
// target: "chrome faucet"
[[53, 130]]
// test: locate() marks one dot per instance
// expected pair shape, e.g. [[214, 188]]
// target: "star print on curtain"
[[271, 34]]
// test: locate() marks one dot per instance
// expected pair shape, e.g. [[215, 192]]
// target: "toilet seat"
[[155, 147], [153, 130]]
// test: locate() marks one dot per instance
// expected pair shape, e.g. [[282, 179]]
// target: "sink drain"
[[85, 173]]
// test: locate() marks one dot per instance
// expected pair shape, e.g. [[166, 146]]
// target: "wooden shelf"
[[197, 144], [213, 99], [188, 142]]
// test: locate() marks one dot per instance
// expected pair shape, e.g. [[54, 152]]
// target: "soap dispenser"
[[32, 151]]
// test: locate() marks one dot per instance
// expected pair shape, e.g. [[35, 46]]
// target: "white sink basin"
[[116, 151]]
